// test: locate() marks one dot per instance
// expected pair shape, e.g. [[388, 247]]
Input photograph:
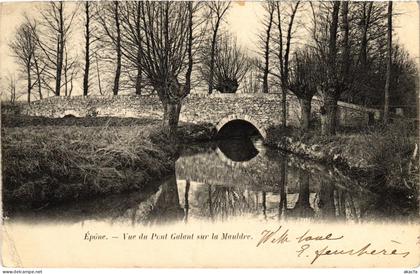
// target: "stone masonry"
[[261, 110]]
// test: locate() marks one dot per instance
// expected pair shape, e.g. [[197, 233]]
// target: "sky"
[[243, 20]]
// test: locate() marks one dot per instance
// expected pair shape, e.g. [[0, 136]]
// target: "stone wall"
[[79, 106], [262, 110]]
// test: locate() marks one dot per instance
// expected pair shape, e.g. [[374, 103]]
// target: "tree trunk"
[[326, 203], [346, 45], [388, 64], [58, 69], [65, 76], [284, 68], [305, 106], [87, 54], [60, 51], [71, 84], [139, 74], [171, 116], [38, 77], [139, 49], [283, 188], [364, 42], [118, 50], [303, 206], [98, 74], [186, 199], [264, 204], [267, 52], [65, 80], [304, 193], [138, 81], [332, 43], [284, 106], [329, 116], [210, 202], [29, 83], [285, 76], [212, 53], [330, 96]]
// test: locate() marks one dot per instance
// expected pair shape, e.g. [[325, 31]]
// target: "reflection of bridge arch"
[[231, 163], [245, 118]]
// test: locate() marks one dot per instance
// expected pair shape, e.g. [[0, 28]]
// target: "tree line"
[[349, 55], [169, 47]]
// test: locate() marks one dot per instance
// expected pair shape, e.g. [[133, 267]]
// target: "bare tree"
[[353, 40], [404, 82], [252, 79], [265, 39], [11, 87], [325, 34], [302, 82], [98, 74], [330, 95], [167, 53], [338, 76], [230, 64], [110, 19], [70, 71], [87, 48], [132, 40], [24, 48], [388, 64], [56, 32], [368, 45], [38, 68], [38, 64], [283, 52], [91, 38], [216, 10], [365, 22]]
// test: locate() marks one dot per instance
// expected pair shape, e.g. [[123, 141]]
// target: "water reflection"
[[293, 195], [238, 150], [302, 208], [215, 182]]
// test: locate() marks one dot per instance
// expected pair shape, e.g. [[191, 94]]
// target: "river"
[[237, 179]]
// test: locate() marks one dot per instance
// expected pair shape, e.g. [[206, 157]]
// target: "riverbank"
[[376, 154], [49, 161]]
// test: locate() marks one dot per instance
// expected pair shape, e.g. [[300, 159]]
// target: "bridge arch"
[[70, 113], [239, 117]]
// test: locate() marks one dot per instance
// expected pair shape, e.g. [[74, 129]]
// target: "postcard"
[[210, 134]]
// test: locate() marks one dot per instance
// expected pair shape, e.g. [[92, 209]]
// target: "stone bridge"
[[260, 110]]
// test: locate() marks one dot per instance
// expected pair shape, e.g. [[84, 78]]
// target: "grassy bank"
[[381, 154], [48, 161]]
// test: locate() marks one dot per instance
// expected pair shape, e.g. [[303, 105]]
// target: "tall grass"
[[390, 150], [60, 163], [385, 151]]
